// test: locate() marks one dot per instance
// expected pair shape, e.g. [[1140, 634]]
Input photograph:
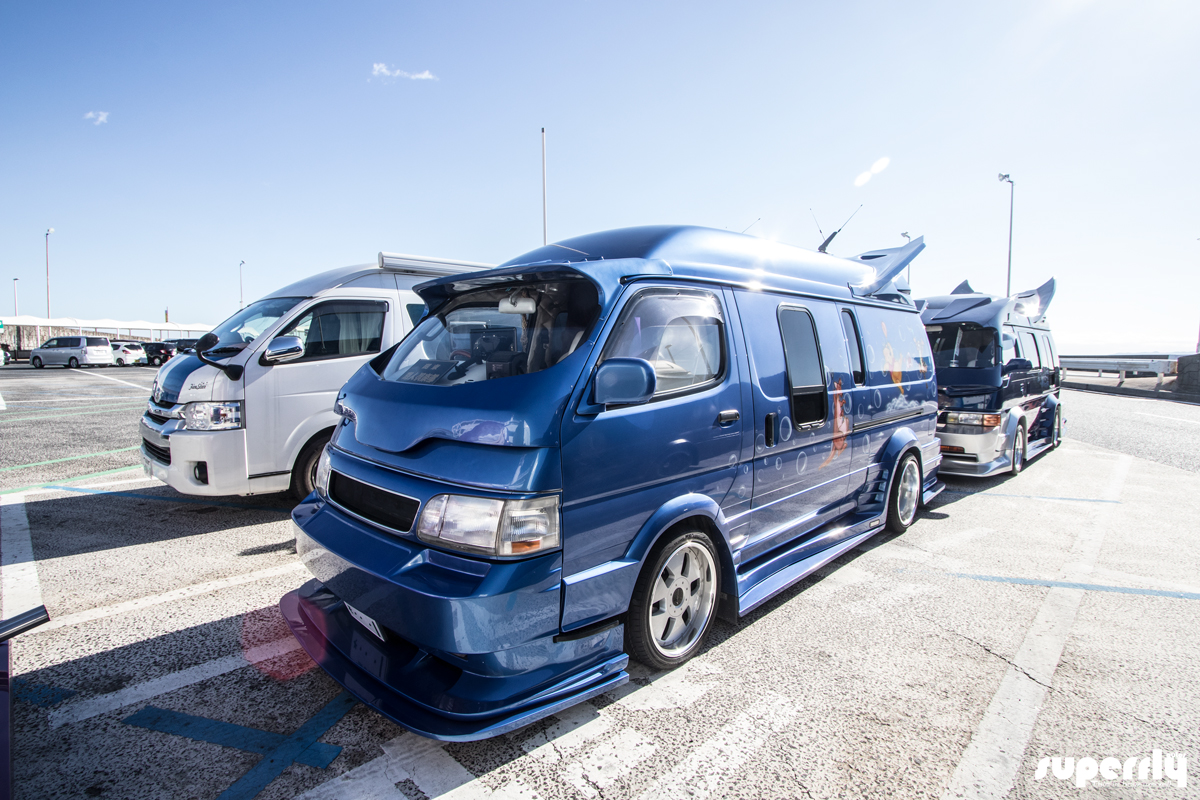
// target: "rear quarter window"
[[897, 347]]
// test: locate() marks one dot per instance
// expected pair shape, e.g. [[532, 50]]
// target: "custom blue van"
[[591, 452], [998, 378]]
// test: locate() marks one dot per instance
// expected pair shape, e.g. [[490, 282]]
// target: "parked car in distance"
[[591, 452], [998, 378], [5, 355], [182, 345], [128, 353], [73, 351], [159, 353]]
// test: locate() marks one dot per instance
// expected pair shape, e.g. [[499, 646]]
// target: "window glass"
[[1029, 349], [339, 328], [93, 341], [1046, 351], [855, 344], [51, 343], [248, 324], [514, 329], [806, 377], [681, 334], [1009, 341], [415, 312], [72, 341], [962, 345]]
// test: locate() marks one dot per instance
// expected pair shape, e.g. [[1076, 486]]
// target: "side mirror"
[[281, 349], [206, 342], [624, 382], [1017, 364]]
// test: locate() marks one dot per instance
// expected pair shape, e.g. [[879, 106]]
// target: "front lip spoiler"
[[376, 694]]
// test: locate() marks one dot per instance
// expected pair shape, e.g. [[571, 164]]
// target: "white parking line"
[[168, 597], [145, 389], [71, 399], [989, 765], [2, 405], [19, 587], [1173, 419], [86, 708]]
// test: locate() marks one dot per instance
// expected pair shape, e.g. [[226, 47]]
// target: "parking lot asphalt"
[[1051, 614]]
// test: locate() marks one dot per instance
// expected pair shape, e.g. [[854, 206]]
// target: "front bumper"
[[172, 454], [473, 647], [985, 452]]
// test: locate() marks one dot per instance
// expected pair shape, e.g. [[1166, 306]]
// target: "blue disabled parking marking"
[[39, 694], [1091, 587], [278, 751]]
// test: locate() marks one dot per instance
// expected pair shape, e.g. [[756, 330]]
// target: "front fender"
[[604, 590]]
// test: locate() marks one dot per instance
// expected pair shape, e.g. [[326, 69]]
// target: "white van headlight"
[[491, 527], [321, 481], [212, 416]]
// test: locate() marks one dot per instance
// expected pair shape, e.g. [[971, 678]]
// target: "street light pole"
[[16, 308], [241, 294], [1004, 177], [48, 232], [545, 224]]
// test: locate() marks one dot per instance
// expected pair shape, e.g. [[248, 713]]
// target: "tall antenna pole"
[[545, 226]]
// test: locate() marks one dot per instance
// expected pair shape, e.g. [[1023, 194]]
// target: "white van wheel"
[[304, 473], [674, 601]]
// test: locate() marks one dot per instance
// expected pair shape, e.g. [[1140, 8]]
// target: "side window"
[[75, 341], [339, 328], [806, 376], [415, 312], [51, 343], [1049, 360], [1029, 349], [1008, 338], [855, 343], [681, 333]]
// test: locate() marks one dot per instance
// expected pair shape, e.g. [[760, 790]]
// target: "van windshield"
[[964, 344], [497, 333], [248, 324]]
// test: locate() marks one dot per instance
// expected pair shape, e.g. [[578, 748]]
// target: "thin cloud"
[[876, 168], [382, 71], [100, 117]]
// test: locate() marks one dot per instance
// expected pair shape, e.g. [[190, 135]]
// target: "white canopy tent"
[[153, 329]]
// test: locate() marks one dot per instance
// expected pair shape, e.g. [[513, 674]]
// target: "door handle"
[[726, 417], [770, 429]]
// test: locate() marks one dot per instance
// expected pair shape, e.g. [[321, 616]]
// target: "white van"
[[251, 409]]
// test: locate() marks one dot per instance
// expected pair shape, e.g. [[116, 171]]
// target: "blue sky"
[[263, 132]]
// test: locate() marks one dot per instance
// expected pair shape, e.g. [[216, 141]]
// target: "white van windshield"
[[962, 345], [497, 333], [248, 324]]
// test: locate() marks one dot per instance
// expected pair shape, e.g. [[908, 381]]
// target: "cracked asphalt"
[[1050, 615]]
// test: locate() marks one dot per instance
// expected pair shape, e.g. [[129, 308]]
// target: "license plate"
[[366, 621]]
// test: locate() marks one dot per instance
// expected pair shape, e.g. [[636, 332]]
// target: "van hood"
[[186, 379], [501, 434]]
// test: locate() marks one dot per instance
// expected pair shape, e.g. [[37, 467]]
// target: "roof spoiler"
[[426, 266], [887, 265], [1034, 302]]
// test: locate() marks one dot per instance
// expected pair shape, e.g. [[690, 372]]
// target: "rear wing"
[[426, 266], [887, 264]]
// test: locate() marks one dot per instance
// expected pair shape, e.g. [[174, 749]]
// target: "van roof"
[[696, 252], [964, 304], [387, 263]]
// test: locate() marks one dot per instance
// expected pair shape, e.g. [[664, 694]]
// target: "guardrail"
[[1159, 365]]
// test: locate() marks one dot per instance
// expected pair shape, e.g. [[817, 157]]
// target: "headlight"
[[321, 481], [491, 527], [972, 418], [212, 416]]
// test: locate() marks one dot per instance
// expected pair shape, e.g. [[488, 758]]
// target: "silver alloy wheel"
[[682, 599], [1018, 456], [908, 492]]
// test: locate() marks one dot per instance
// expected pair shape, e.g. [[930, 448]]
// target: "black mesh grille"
[[390, 510], [162, 454]]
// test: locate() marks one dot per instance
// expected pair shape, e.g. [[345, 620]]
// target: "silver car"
[[73, 351]]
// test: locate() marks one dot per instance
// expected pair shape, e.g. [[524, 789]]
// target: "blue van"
[[592, 451]]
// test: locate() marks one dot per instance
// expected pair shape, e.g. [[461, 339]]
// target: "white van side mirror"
[[282, 349]]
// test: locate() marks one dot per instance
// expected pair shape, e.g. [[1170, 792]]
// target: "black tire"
[[154, 362], [904, 497], [36, 362], [73, 363], [120, 362], [304, 472], [641, 639], [1056, 431], [1019, 450]]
